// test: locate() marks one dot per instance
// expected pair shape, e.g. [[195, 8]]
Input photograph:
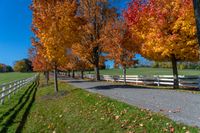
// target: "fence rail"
[[155, 80], [7, 89], [158, 80]]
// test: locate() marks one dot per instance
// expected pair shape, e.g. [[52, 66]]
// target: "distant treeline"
[[5, 68], [180, 65], [24, 65]]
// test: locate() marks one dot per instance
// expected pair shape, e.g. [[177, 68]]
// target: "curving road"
[[179, 106]]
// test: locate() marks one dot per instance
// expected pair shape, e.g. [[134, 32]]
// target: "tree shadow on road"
[[135, 87]]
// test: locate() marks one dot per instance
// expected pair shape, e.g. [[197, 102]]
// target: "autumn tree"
[[170, 30], [39, 62], [75, 64], [96, 14], [24, 65], [56, 26], [119, 44]]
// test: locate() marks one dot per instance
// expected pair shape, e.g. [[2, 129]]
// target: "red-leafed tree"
[[167, 30]]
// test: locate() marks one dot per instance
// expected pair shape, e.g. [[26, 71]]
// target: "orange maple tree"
[[56, 25], [119, 45], [39, 62], [168, 32], [96, 13]]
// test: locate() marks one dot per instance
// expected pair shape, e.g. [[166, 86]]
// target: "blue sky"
[[15, 28], [15, 33]]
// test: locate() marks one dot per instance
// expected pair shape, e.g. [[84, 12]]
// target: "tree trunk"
[[96, 63], [97, 75], [124, 73], [47, 77], [82, 72], [55, 80], [175, 72], [197, 15], [69, 74], [73, 73]]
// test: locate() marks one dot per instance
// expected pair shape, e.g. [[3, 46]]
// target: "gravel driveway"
[[180, 106]]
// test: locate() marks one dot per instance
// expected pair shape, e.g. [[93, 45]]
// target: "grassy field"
[[14, 112], [149, 71], [7, 77], [74, 110]]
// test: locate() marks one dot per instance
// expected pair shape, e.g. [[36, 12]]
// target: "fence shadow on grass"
[[29, 100], [15, 106]]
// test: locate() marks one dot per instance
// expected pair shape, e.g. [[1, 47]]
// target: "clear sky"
[[15, 33], [15, 28]]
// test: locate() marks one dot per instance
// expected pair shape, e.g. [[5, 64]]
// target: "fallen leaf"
[[116, 117], [172, 130], [141, 125], [184, 128]]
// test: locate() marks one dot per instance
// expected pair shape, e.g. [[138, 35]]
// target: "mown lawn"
[[8, 77], [14, 111], [148, 71], [74, 110]]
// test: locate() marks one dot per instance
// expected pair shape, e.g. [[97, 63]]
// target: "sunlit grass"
[[8, 77], [74, 110], [148, 71]]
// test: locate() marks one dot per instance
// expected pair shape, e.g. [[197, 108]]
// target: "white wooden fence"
[[158, 80], [6, 90]]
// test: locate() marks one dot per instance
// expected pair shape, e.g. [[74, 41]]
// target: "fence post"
[[14, 88], [137, 79], [20, 83], [18, 86], [3, 94], [199, 82], [9, 91], [158, 80]]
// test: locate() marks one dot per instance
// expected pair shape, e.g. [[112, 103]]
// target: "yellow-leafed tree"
[[56, 26]]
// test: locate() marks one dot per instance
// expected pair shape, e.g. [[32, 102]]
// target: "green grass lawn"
[[8, 77], [149, 71], [74, 110], [13, 112]]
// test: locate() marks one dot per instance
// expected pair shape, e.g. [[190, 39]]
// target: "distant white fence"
[[6, 90], [158, 80]]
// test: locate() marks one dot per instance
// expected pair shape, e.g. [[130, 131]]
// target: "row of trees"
[[71, 35], [75, 35]]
